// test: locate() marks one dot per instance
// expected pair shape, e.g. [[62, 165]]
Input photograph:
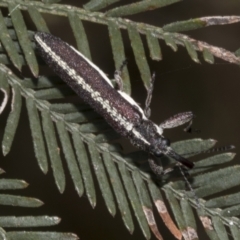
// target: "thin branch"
[[97, 17]]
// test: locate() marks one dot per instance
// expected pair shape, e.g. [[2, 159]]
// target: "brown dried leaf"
[[207, 223], [190, 234], [162, 210], [151, 222]]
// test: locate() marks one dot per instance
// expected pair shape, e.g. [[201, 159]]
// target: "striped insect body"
[[118, 108]]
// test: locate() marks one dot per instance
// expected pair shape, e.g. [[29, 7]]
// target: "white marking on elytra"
[[159, 129], [103, 75], [92, 65], [139, 136], [123, 94], [132, 102], [5, 100], [95, 95]]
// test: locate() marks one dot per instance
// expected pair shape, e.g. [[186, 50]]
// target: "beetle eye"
[[158, 154], [166, 142]]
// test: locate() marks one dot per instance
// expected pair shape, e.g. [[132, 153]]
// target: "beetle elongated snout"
[[163, 147], [171, 153]]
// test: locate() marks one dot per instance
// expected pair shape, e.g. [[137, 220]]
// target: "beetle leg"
[[147, 109], [178, 120], [117, 76]]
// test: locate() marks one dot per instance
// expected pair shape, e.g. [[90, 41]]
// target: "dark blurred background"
[[212, 92]]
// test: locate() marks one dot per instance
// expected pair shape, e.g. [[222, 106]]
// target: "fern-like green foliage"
[[20, 222], [87, 141]]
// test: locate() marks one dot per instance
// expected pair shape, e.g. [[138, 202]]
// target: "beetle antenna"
[[189, 185], [213, 150]]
